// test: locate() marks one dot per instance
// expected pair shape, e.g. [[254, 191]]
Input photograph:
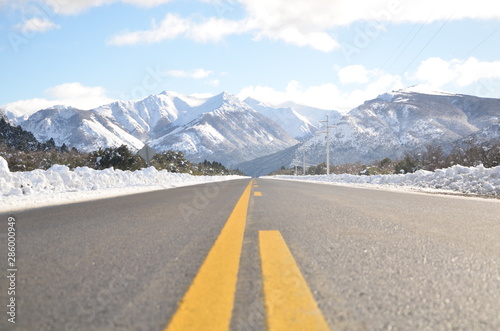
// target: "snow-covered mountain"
[[314, 115], [486, 137], [86, 130], [3, 114], [392, 125], [16, 117], [300, 122], [267, 164], [148, 118], [15, 137], [220, 128], [259, 138]]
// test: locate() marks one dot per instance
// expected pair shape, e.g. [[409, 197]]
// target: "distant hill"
[[220, 128], [16, 137], [392, 125], [260, 138]]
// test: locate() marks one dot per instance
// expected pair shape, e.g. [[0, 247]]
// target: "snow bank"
[[470, 180], [59, 184]]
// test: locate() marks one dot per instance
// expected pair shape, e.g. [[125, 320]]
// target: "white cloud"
[[201, 95], [76, 93], [195, 73], [473, 70], [470, 76], [28, 107], [200, 73], [171, 27], [214, 82], [321, 96], [214, 29], [304, 23], [263, 93], [296, 22], [311, 14], [436, 72], [69, 94], [37, 24], [323, 14], [307, 23], [326, 96], [177, 73], [317, 40], [418, 11], [174, 26], [72, 7], [353, 74]]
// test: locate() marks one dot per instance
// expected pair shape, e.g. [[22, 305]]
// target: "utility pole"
[[327, 131]]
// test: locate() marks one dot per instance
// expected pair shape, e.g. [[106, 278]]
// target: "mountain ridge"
[[218, 128], [393, 124], [238, 133]]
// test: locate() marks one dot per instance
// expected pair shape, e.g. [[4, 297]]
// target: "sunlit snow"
[[59, 184], [459, 179]]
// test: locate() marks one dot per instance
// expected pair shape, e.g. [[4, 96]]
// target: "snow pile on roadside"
[[59, 184], [474, 180]]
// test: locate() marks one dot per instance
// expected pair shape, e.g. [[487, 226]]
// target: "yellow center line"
[[208, 303], [289, 303], [257, 194]]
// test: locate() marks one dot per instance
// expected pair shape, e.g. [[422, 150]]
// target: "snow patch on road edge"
[[60, 185], [457, 179]]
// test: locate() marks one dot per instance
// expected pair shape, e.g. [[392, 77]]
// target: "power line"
[[427, 44], [424, 23], [401, 44], [480, 43]]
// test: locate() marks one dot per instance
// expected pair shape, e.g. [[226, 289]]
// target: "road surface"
[[268, 254]]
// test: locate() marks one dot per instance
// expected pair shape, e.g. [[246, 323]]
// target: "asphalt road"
[[372, 259]]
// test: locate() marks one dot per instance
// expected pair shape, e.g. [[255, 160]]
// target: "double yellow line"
[[209, 301]]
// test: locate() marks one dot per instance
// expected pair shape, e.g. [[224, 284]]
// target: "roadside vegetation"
[[24, 152], [118, 158], [432, 158]]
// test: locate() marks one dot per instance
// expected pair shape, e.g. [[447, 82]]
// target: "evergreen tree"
[[407, 165], [17, 138], [118, 158]]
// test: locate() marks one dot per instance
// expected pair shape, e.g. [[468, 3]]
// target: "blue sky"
[[324, 53]]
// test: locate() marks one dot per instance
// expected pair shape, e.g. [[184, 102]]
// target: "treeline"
[[112, 157], [24, 152], [17, 139], [431, 158], [434, 157]]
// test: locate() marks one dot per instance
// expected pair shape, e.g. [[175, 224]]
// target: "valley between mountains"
[[259, 138]]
